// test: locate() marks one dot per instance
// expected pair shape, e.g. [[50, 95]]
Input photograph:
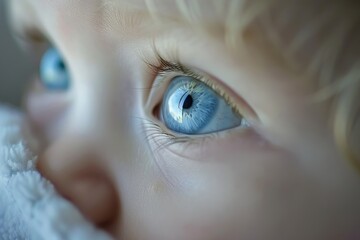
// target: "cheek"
[[46, 111], [232, 186], [238, 157]]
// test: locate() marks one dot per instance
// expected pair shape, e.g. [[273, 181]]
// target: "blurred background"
[[15, 70]]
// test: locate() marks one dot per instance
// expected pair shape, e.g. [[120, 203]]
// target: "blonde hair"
[[329, 29]]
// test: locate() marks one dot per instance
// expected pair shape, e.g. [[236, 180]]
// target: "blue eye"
[[53, 72], [191, 107]]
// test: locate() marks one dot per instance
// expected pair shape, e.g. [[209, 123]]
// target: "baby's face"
[[157, 130]]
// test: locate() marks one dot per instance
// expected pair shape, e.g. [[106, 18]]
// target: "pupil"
[[188, 102], [61, 65]]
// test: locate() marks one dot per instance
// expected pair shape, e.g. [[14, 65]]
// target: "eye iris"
[[53, 72], [188, 105], [191, 107]]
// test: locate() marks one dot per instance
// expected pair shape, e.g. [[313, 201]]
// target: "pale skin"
[[282, 177]]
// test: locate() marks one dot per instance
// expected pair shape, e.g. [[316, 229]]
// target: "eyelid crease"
[[164, 67]]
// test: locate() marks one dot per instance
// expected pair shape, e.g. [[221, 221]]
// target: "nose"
[[78, 173]]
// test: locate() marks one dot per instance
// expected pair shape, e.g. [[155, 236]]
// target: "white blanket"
[[30, 208]]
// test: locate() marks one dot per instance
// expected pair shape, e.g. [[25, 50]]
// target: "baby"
[[199, 120]]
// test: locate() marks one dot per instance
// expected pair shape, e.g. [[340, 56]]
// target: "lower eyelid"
[[193, 148], [155, 119]]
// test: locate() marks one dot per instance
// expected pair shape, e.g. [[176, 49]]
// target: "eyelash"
[[164, 67], [155, 132]]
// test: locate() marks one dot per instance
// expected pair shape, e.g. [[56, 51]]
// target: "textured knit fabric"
[[30, 208]]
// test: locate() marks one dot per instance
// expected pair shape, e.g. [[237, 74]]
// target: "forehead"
[[208, 11], [127, 16], [283, 21], [206, 8]]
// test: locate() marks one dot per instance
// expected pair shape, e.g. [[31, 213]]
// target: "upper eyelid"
[[25, 24], [164, 67], [30, 34], [31, 40]]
